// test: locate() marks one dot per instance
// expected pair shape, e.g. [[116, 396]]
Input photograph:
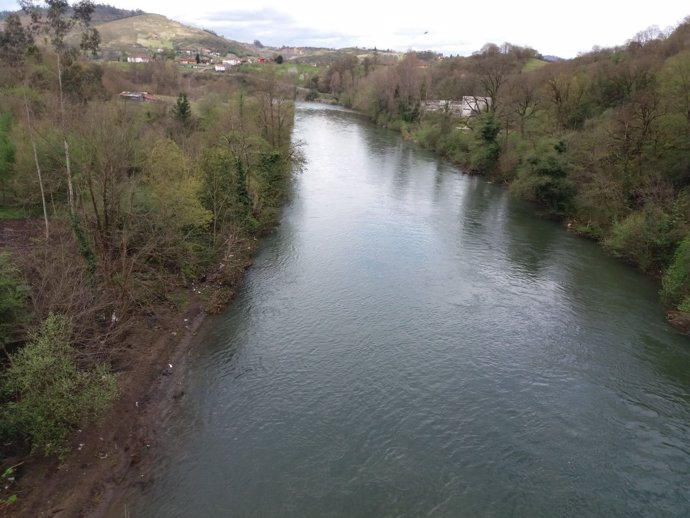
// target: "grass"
[[534, 64], [12, 213]]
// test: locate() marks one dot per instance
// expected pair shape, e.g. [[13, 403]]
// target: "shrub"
[[48, 395], [11, 298], [543, 178], [646, 238], [676, 281]]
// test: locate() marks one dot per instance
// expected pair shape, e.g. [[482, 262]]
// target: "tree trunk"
[[68, 166], [38, 167]]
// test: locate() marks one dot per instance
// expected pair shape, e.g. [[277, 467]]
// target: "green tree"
[[279, 59], [182, 111], [218, 185]]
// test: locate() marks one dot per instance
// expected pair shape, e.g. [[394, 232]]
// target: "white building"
[[466, 107], [138, 59]]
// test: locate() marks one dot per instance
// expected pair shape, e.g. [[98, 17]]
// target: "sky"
[[563, 29]]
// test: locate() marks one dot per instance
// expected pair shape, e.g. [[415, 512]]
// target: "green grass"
[[12, 213], [534, 64]]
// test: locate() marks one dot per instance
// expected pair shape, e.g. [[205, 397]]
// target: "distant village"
[[201, 59]]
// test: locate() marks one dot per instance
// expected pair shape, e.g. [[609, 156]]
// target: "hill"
[[106, 13], [151, 32]]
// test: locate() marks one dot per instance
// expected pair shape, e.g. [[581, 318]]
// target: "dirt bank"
[[106, 457], [104, 454]]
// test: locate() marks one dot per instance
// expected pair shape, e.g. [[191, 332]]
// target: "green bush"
[[47, 394], [485, 150], [12, 298], [647, 238], [543, 178], [675, 285]]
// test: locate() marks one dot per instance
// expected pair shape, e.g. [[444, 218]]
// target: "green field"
[[534, 64]]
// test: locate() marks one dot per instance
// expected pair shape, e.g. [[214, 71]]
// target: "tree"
[[15, 43], [524, 100], [218, 184], [56, 25], [567, 94], [182, 111], [675, 80], [279, 59], [492, 69]]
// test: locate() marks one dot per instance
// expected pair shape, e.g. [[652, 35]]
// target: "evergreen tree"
[[182, 111]]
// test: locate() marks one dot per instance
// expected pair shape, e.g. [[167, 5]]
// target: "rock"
[[679, 320]]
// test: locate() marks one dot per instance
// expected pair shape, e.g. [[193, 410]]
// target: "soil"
[[104, 454], [107, 457]]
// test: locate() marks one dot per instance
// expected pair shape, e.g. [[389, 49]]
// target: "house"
[[138, 58], [466, 107], [138, 96], [231, 60], [219, 68]]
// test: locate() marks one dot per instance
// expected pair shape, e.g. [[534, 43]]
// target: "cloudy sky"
[[448, 26]]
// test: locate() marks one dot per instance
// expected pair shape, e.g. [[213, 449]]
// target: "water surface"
[[414, 342]]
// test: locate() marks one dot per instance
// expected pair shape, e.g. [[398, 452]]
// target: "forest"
[[114, 213], [600, 142]]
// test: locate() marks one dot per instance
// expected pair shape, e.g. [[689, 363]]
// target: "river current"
[[413, 341]]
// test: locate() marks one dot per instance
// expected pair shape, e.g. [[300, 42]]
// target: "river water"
[[414, 342]]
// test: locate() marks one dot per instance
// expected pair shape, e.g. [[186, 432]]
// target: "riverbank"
[[149, 363]]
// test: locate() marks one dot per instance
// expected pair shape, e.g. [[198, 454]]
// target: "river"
[[414, 342]]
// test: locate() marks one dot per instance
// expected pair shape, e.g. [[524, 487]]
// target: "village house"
[[231, 60], [466, 107], [138, 96], [138, 58]]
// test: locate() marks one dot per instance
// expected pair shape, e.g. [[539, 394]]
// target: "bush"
[[11, 298], [543, 178], [485, 150], [646, 238], [48, 395], [676, 281]]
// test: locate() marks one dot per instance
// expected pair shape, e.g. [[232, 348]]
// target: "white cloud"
[[563, 29]]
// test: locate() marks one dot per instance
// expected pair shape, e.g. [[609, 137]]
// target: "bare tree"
[[55, 22]]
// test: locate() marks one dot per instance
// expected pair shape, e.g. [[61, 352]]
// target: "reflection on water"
[[413, 342]]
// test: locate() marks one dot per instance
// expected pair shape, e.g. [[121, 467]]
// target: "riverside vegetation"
[[600, 142], [112, 209]]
